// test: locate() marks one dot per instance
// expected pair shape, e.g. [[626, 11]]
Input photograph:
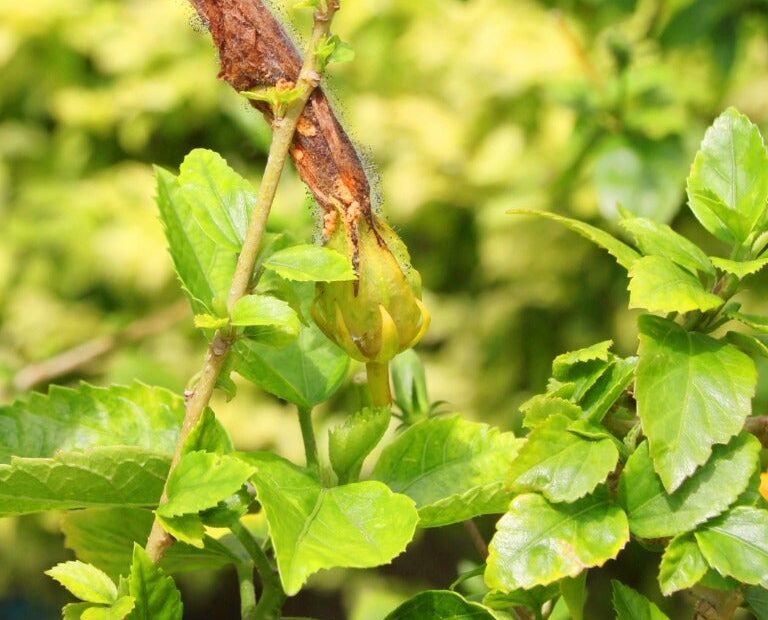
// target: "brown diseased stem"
[[306, 78]]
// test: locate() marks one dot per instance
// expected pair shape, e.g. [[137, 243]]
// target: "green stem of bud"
[[378, 383]]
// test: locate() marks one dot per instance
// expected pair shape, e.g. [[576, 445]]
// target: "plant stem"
[[378, 384], [247, 591], [283, 131], [272, 595], [477, 538], [308, 435]]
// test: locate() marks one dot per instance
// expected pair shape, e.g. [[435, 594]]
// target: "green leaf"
[[310, 263], [542, 407], [692, 392], [105, 537], [736, 544], [358, 525], [659, 285], [443, 462], [84, 581], [741, 269], [757, 599], [581, 377], [204, 267], [201, 480], [755, 321], [186, 528], [728, 184], [120, 609], [562, 363], [86, 417], [208, 435], [157, 597], [208, 321], [104, 477], [219, 199], [350, 442], [709, 492], [608, 388], [623, 254], [560, 464], [306, 372], [409, 384], [537, 543], [533, 599], [574, 592], [265, 310], [631, 605], [434, 604], [655, 239], [682, 565], [749, 344]]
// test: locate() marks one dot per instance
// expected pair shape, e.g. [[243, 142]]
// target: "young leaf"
[[757, 322], [608, 388], [204, 267], [440, 604], [728, 184], [542, 407], [685, 381], [118, 610], [208, 321], [187, 528], [157, 597], [105, 537], [114, 476], [581, 376], [208, 435], [357, 525], [350, 442], [563, 363], [749, 344], [265, 310], [409, 384], [67, 419], [736, 544], [201, 480], [537, 543], [659, 285], [84, 581], [631, 605], [560, 464], [623, 254], [306, 372], [310, 263], [741, 269], [218, 198], [443, 462], [574, 592], [655, 239], [710, 491], [682, 565]]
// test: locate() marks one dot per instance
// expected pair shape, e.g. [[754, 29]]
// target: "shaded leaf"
[[631, 605], [349, 443], [682, 565], [433, 604], [608, 388], [156, 595]]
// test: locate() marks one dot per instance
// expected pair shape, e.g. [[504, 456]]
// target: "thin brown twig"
[[477, 538]]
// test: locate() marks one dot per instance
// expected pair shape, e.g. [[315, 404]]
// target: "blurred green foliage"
[[463, 109]]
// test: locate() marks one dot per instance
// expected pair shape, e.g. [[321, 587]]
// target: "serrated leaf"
[[631, 605], [656, 239], [736, 544], [608, 388], [186, 528], [728, 185], [208, 435], [707, 493], [623, 254], [208, 321], [156, 595], [579, 378], [306, 372], [538, 543], [310, 263], [692, 392], [740, 269], [440, 460], [542, 406], [120, 609], [205, 268], [350, 442], [562, 363], [682, 565], [201, 480], [115, 476], [105, 537], [434, 604], [533, 599], [75, 419], [357, 525], [84, 581], [560, 464], [659, 285], [253, 310], [219, 199], [755, 321], [749, 344]]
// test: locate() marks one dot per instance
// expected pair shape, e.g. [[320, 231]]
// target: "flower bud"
[[380, 314]]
